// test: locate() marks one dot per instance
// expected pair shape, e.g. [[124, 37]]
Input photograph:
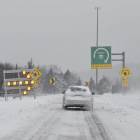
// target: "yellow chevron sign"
[[52, 81], [86, 84]]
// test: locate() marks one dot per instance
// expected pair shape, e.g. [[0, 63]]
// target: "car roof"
[[80, 87]]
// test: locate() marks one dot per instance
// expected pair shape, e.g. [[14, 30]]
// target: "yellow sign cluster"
[[125, 73], [37, 74], [27, 83]]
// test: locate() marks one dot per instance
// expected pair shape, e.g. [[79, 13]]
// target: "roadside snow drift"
[[120, 115], [15, 112]]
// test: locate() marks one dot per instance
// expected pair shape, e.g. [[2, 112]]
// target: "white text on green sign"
[[101, 57]]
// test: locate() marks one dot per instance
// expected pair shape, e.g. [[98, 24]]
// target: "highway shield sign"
[[125, 72], [52, 81], [101, 57], [125, 83]]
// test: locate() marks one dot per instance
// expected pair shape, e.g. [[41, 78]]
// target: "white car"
[[77, 96]]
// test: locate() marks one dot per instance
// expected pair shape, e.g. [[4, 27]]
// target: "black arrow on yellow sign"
[[52, 81], [87, 84]]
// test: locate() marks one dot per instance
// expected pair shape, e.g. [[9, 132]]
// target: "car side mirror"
[[93, 93]]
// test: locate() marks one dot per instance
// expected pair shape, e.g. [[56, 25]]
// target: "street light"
[[97, 8]]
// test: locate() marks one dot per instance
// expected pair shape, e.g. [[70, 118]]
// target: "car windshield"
[[77, 89]]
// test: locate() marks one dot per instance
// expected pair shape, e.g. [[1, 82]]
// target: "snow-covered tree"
[[103, 86], [30, 64], [92, 85], [79, 82]]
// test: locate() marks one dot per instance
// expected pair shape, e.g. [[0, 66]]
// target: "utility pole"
[[97, 8]]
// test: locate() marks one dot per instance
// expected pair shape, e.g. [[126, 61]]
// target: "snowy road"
[[55, 123], [114, 117]]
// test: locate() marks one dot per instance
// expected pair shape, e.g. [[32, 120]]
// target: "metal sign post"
[[123, 58], [123, 64]]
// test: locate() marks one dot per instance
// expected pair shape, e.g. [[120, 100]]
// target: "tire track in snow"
[[45, 132], [34, 131], [97, 130], [81, 128]]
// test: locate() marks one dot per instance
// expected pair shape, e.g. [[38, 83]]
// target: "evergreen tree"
[[16, 67], [92, 85], [67, 78], [117, 88], [103, 86], [79, 82], [50, 75], [30, 64]]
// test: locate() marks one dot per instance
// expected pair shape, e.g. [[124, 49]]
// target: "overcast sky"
[[62, 31]]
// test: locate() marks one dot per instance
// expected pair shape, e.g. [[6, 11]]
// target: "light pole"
[[97, 8]]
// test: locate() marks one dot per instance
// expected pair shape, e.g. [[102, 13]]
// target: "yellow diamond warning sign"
[[125, 83], [125, 72], [37, 73]]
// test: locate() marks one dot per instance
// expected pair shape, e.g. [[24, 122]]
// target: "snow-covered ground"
[[15, 113], [119, 114]]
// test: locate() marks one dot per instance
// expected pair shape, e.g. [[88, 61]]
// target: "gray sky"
[[62, 31]]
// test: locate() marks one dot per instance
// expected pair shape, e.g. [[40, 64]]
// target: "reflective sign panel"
[[101, 57], [125, 83], [125, 72]]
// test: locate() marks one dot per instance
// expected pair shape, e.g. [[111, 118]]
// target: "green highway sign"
[[101, 57]]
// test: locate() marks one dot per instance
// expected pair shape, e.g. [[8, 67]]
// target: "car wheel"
[[64, 107]]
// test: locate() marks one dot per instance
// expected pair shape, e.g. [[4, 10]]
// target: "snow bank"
[[120, 114]]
